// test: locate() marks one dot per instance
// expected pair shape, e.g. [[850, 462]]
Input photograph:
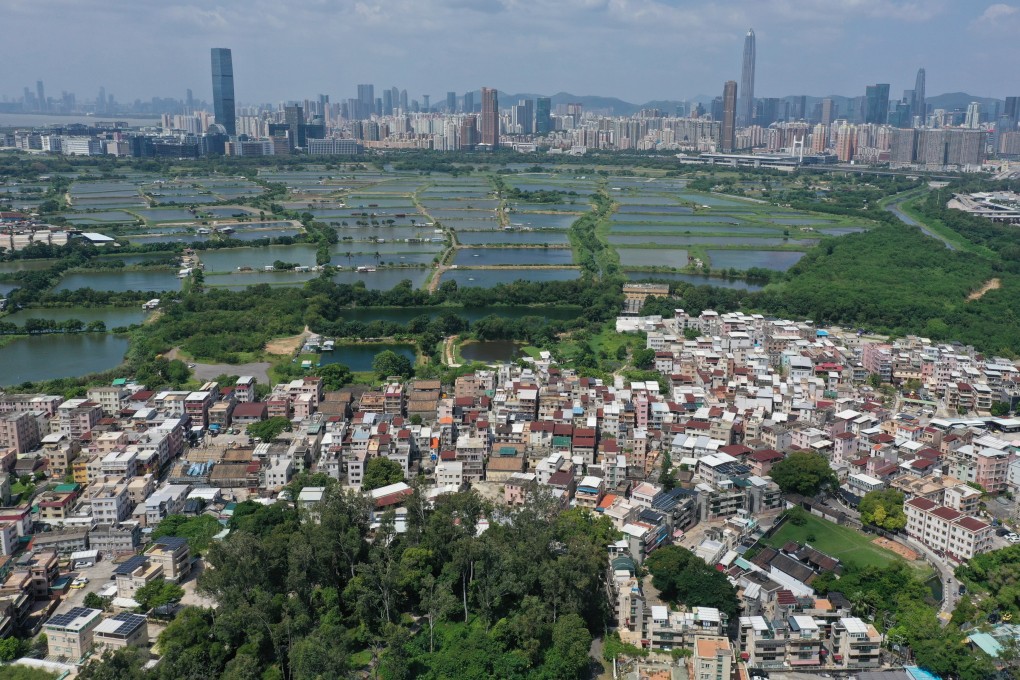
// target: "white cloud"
[[997, 11], [998, 19]]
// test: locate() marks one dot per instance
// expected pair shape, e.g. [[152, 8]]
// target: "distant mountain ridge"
[[615, 106]]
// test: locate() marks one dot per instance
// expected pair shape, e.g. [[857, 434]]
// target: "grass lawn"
[[361, 659], [843, 543]]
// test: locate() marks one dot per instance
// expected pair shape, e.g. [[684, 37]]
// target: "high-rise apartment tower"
[[490, 117], [223, 89], [728, 137]]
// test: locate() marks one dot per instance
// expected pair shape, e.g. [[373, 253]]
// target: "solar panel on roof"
[[130, 621], [131, 564], [172, 542], [67, 618]]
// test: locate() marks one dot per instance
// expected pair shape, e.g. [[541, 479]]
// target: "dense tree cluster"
[[901, 606], [805, 473], [883, 509], [330, 596], [684, 578]]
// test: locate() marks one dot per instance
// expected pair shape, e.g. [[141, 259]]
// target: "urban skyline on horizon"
[[830, 59]]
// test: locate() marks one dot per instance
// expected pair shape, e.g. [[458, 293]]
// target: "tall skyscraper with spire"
[[745, 107], [223, 89], [919, 106]]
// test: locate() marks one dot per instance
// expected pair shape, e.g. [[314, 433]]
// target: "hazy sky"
[[638, 50]]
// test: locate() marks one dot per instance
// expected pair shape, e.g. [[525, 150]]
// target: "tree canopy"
[[388, 362], [805, 473], [518, 600], [381, 471], [197, 530], [883, 509], [684, 578], [268, 430]]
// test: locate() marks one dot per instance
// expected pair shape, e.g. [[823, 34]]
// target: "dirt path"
[[287, 346], [448, 352], [991, 284]]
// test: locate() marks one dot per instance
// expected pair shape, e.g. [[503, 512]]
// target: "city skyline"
[[520, 51]]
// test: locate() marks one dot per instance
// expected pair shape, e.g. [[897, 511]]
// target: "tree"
[[199, 530], [804, 473], [28, 673], [684, 578], [1000, 409], [568, 657], [268, 430], [389, 363], [121, 664], [335, 376], [883, 509], [643, 358], [667, 479], [10, 648], [157, 593], [381, 471], [94, 601]]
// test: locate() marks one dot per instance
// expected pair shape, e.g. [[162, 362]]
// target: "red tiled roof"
[[946, 513], [766, 455], [921, 503], [971, 524]]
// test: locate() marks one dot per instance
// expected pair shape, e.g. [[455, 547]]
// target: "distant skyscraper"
[[387, 102], [223, 89], [101, 99], [729, 124], [828, 111], [451, 102], [1012, 108], [294, 117], [543, 118], [877, 110], [973, 119], [366, 102], [403, 101], [800, 107], [40, 94], [189, 102], [919, 107], [426, 104], [490, 117], [469, 102], [745, 110], [1009, 118], [526, 116]]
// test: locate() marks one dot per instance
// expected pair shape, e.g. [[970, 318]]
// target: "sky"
[[637, 50]]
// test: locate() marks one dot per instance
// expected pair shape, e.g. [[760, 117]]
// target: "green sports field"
[[843, 543]]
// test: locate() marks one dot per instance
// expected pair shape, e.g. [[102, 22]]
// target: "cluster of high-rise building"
[[870, 128]]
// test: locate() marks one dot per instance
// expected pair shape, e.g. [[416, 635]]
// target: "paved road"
[[895, 209]]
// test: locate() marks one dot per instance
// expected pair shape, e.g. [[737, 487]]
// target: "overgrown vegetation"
[[520, 599]]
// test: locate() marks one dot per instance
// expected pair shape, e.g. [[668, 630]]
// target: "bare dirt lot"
[[287, 346], [901, 550]]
